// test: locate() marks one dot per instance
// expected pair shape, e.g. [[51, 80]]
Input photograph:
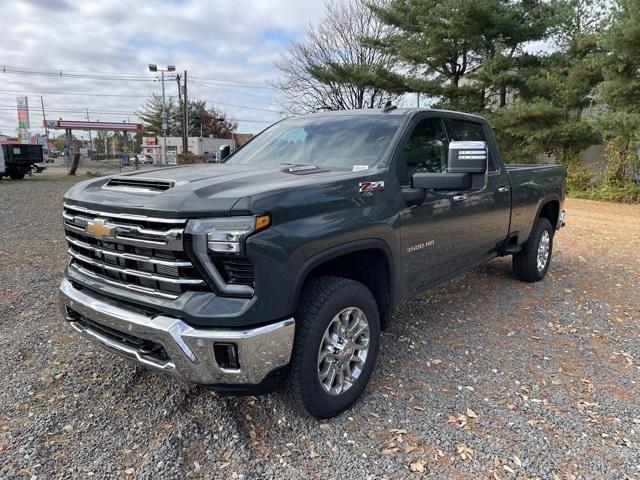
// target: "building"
[[196, 145], [242, 138]]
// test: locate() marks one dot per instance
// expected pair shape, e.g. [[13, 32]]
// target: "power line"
[[235, 83], [8, 69], [14, 92], [2, 92]]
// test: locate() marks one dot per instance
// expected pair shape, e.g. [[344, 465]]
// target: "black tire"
[[321, 300], [17, 176], [525, 262]]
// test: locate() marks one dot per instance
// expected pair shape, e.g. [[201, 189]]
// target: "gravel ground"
[[484, 377]]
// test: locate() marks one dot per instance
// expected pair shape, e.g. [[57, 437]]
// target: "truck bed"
[[530, 184]]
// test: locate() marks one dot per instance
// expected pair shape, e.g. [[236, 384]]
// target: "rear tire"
[[532, 262], [17, 176], [336, 345]]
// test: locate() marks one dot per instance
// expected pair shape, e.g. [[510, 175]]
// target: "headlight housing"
[[228, 234], [217, 247]]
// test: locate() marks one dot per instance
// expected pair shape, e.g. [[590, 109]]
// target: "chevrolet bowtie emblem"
[[99, 228]]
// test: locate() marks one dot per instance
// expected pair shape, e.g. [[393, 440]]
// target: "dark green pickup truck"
[[288, 259]]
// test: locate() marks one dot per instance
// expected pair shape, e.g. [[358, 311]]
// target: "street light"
[[170, 68]]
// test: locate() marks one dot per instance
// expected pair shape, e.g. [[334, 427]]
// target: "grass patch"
[[626, 193]]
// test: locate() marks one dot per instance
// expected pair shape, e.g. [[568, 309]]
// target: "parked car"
[[287, 261], [144, 159]]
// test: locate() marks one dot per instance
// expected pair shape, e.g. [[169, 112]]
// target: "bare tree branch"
[[336, 40]]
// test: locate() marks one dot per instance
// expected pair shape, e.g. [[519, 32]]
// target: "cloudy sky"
[[228, 48]]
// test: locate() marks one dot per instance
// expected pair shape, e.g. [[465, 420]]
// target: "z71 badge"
[[371, 186]]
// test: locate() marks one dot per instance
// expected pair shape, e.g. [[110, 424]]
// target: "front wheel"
[[531, 264], [336, 345]]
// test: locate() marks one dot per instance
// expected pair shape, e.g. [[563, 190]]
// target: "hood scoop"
[[138, 185]]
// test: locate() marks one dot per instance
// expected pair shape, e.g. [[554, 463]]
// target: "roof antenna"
[[388, 107]]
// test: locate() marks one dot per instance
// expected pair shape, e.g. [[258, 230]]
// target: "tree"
[[620, 92], [151, 116], [101, 142], [552, 94], [210, 121], [215, 122], [441, 42], [308, 87]]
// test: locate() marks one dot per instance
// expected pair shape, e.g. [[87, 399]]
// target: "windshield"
[[344, 142]]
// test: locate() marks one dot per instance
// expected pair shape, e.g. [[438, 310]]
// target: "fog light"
[[226, 355]]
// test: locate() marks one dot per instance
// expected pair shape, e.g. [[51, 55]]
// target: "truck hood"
[[196, 191]]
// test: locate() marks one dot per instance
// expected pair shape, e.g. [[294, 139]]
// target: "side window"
[[426, 149], [462, 130]]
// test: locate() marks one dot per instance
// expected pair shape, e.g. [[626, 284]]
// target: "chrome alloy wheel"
[[343, 351], [543, 250]]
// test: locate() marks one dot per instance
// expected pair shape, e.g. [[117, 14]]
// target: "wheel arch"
[[375, 270], [550, 209]]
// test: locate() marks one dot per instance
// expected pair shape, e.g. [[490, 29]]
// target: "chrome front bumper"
[[189, 351]]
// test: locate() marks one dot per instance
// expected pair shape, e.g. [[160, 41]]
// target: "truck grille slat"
[[139, 253]]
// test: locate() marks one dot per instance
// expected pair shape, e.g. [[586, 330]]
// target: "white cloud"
[[228, 40]]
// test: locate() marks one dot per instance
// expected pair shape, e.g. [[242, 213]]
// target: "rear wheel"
[[17, 176], [336, 345], [532, 263]]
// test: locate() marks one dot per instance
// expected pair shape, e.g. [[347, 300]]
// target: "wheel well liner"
[[551, 211], [367, 261]]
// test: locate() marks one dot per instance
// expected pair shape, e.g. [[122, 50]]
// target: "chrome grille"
[[139, 253]]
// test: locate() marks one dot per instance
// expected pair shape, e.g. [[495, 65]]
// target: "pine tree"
[[442, 42], [620, 93]]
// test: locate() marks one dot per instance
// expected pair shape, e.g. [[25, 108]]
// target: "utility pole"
[[90, 141], [185, 145], [170, 68], [44, 120], [185, 118], [164, 124]]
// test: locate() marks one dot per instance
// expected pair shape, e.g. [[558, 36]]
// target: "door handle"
[[459, 198], [503, 189]]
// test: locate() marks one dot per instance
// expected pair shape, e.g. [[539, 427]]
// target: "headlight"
[[227, 235]]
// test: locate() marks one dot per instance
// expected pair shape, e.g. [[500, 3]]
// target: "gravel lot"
[[484, 377]]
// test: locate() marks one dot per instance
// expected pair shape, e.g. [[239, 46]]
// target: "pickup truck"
[[286, 261]]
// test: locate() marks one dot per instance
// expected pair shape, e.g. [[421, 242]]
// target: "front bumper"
[[185, 351]]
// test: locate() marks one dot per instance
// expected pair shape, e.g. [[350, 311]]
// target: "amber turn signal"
[[263, 221]]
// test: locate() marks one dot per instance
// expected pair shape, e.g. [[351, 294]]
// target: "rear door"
[[486, 208]]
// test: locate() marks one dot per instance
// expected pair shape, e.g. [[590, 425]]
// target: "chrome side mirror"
[[468, 157]]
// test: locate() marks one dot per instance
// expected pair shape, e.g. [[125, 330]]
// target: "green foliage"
[[443, 41], [211, 121], [620, 88], [151, 116], [525, 130], [622, 163], [628, 192]]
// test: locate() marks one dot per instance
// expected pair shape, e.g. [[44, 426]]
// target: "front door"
[[430, 232]]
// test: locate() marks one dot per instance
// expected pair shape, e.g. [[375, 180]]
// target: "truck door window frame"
[[401, 167], [493, 167]]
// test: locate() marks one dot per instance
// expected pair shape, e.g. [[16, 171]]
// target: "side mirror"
[[467, 157]]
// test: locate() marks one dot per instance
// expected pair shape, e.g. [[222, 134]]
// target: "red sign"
[[151, 141]]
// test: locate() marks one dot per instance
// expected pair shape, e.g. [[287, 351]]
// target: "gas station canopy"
[[84, 125]]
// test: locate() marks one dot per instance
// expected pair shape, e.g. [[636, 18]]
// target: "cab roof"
[[393, 112]]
